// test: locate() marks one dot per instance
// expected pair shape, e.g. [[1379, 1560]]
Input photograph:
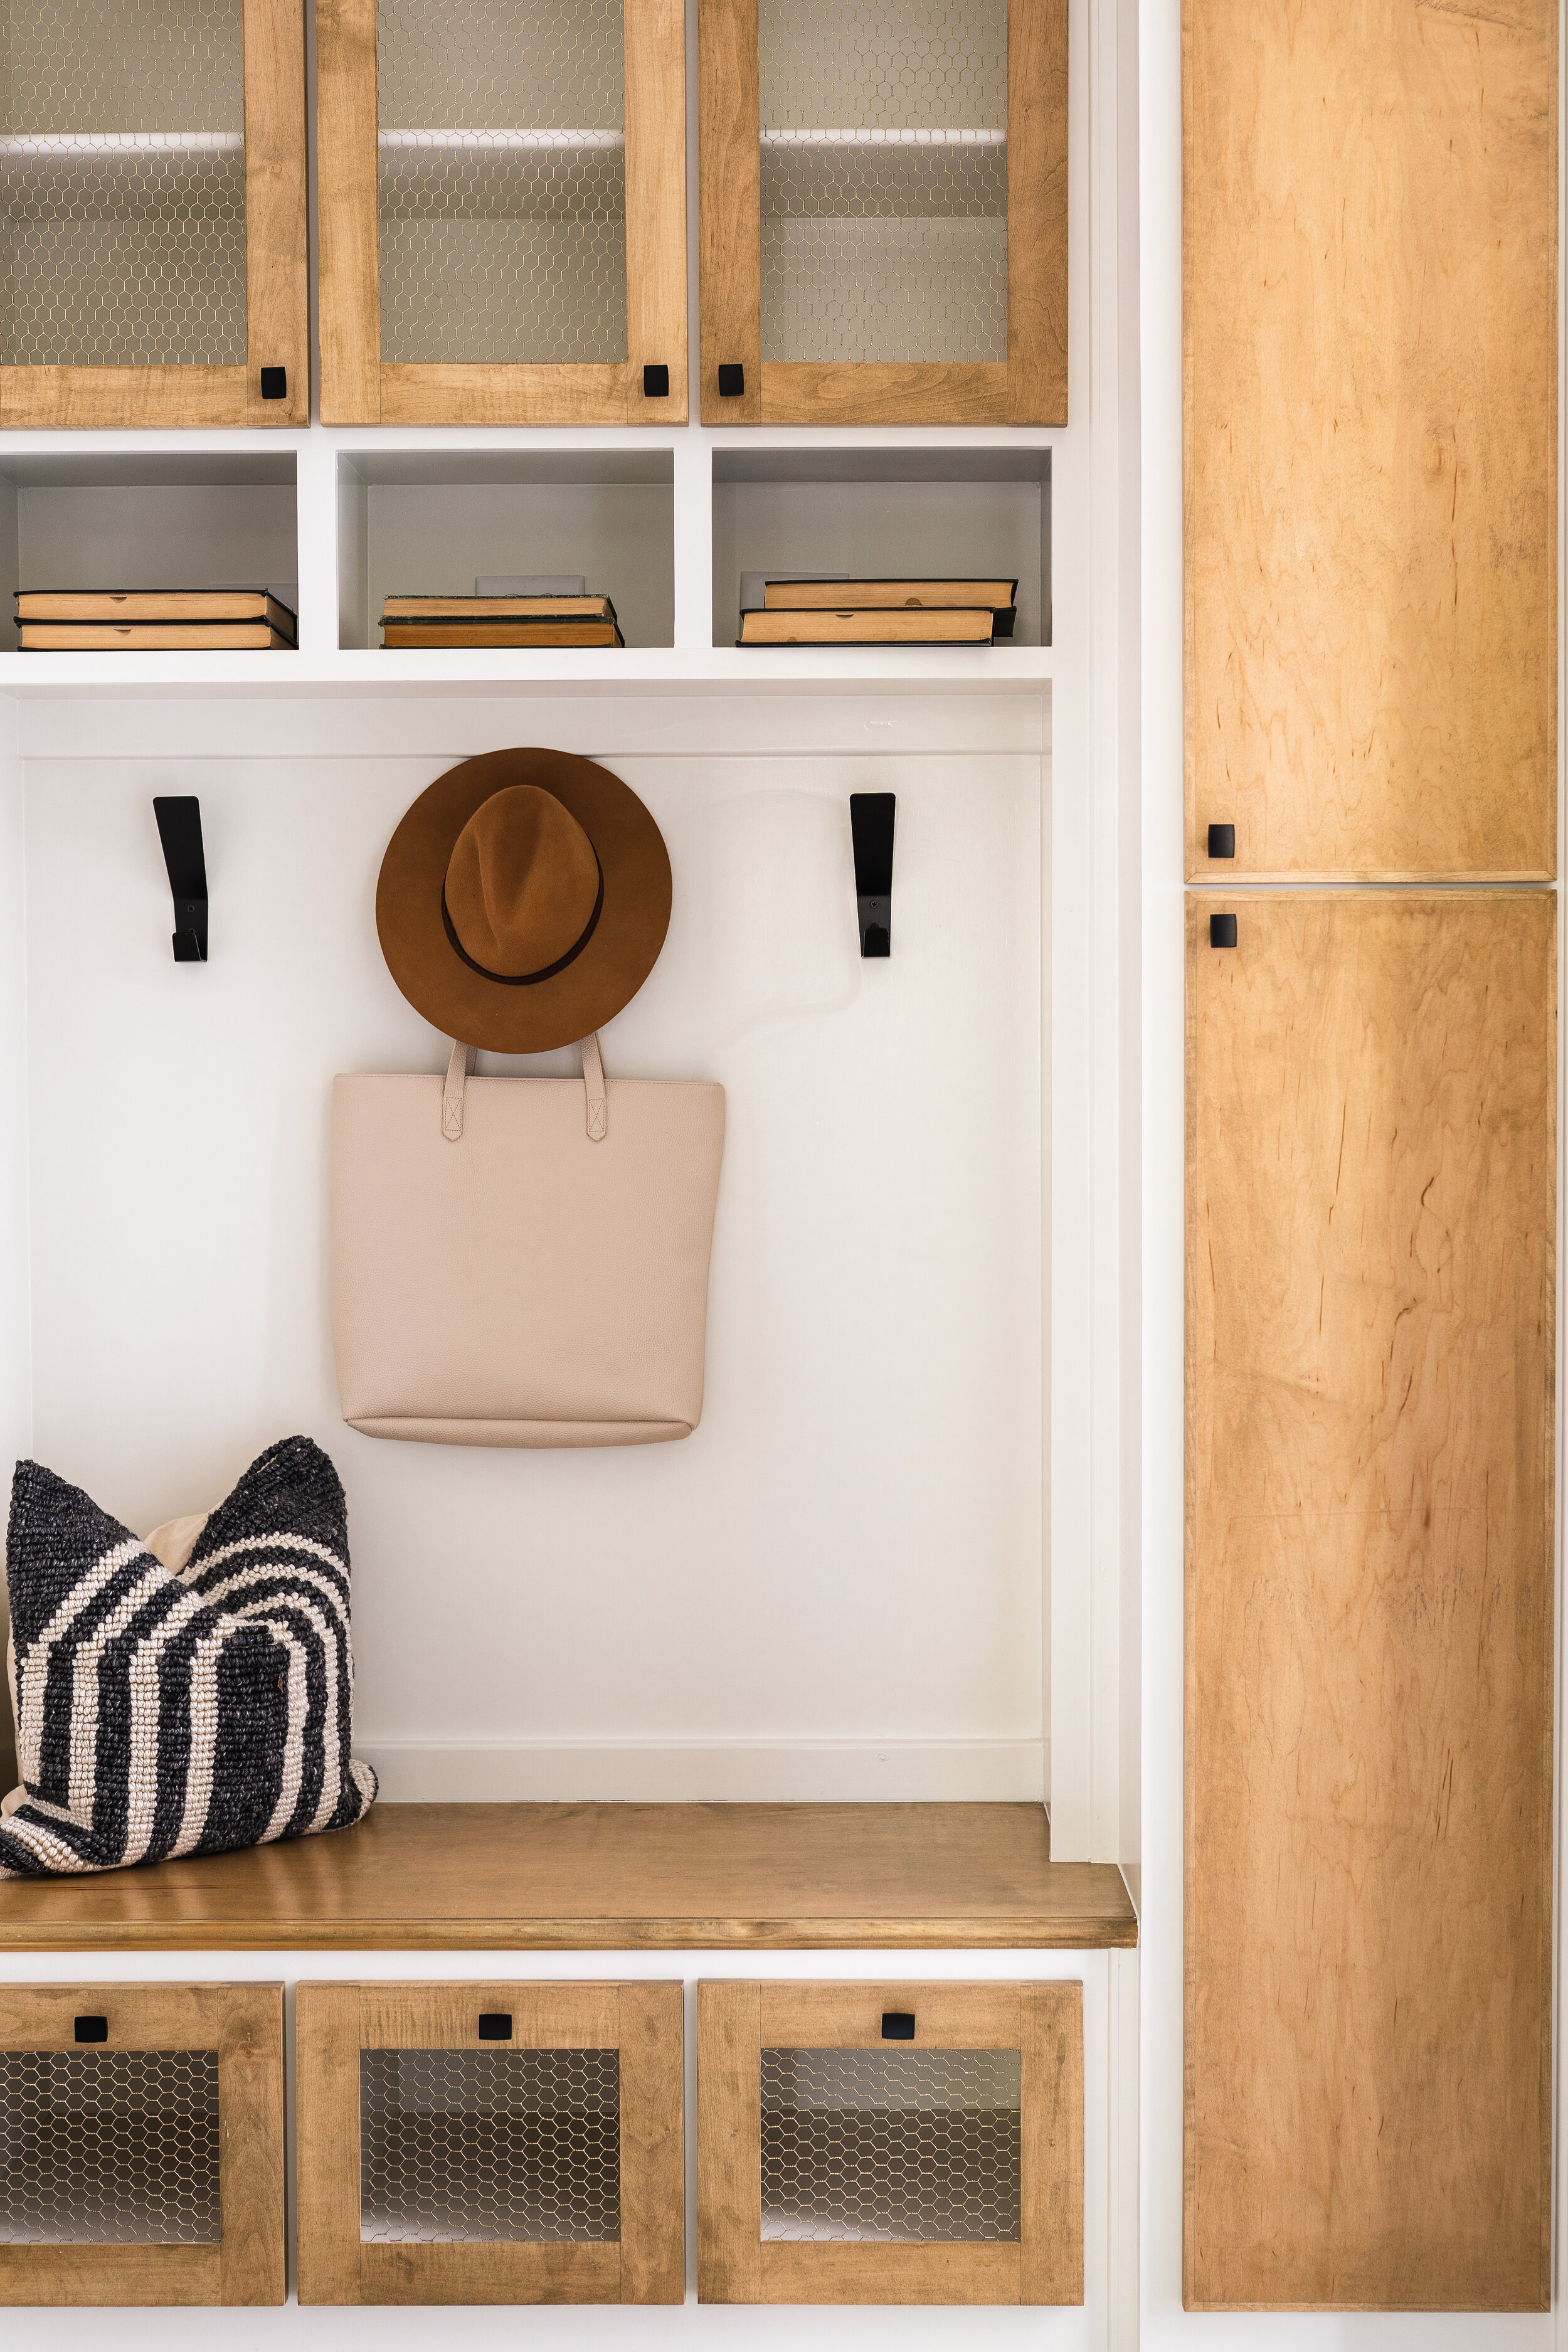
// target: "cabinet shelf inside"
[[499, 142]]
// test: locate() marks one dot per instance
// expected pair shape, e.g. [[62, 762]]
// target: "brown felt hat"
[[523, 900]]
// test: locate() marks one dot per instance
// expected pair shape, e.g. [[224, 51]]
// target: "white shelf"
[[115, 146], [500, 142], [785, 140], [995, 669]]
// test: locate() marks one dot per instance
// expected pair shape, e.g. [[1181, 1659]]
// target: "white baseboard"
[[778, 1772]]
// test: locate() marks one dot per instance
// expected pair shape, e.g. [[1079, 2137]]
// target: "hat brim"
[[495, 1015]]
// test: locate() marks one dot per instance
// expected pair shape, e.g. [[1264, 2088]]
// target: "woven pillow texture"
[[163, 1714]]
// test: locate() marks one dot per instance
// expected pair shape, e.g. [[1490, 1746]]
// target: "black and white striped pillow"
[[163, 1714]]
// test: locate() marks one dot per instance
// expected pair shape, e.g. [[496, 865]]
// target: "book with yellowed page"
[[849, 626], [921, 595], [152, 637], [545, 631], [498, 608], [190, 605]]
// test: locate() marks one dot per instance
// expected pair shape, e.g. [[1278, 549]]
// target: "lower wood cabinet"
[[491, 2143], [142, 2144], [891, 2143], [1372, 1159]]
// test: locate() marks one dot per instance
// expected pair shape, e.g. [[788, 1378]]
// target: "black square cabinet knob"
[[93, 2029], [898, 2025], [1222, 930], [274, 384], [655, 383], [495, 2025], [732, 382], [1222, 841]]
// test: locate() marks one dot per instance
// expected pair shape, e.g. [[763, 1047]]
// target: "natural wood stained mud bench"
[[586, 1878], [865, 2132]]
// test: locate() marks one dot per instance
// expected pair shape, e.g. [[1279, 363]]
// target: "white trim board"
[[672, 1771]]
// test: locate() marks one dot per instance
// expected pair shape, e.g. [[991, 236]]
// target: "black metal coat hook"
[[871, 822], [179, 819]]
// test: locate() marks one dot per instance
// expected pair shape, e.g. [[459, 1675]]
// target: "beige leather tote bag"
[[522, 1260]]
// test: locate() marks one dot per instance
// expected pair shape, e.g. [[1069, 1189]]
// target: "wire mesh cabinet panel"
[[142, 2144], [152, 166], [890, 2143], [491, 2143], [883, 211], [503, 188]]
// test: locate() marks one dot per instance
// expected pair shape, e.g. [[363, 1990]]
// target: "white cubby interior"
[[432, 522], [885, 513], [144, 518]]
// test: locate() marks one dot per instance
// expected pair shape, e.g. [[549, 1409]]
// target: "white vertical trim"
[[16, 1278], [1093, 962], [1121, 2156]]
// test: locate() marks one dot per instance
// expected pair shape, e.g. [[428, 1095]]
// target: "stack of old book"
[[803, 611], [153, 620], [509, 620]]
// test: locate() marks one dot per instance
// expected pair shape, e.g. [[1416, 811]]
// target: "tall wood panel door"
[[1370, 234], [502, 193], [884, 212], [1371, 1157], [153, 160]]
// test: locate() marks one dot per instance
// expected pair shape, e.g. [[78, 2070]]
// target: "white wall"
[[16, 1314], [833, 1588]]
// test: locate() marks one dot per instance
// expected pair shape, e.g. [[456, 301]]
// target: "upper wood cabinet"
[[884, 201], [1370, 223], [152, 158], [502, 192], [1370, 1215]]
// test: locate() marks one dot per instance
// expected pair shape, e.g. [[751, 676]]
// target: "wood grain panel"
[[1037, 212], [890, 2273], [129, 399], [326, 2103], [1371, 1155], [877, 392], [605, 1878], [541, 393], [1370, 241], [277, 296], [243, 2024], [642, 2022], [651, 2038], [656, 206], [349, 227], [729, 2138], [736, 2021], [1051, 2035], [730, 206]]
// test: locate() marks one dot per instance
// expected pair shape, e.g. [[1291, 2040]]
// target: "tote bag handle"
[[459, 1069]]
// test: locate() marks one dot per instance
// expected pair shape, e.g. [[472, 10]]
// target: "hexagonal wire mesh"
[[884, 180], [902, 2146], [123, 180], [470, 2147], [109, 2148], [501, 167]]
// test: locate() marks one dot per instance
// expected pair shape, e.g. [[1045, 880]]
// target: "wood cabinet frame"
[[736, 2021], [277, 296], [359, 387], [1030, 387], [643, 2021], [244, 2024]]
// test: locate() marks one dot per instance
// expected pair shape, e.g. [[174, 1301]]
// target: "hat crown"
[[523, 883]]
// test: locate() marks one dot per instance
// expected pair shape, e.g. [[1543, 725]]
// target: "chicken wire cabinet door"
[[499, 2143], [142, 2144], [153, 160], [502, 191], [883, 211], [891, 2143]]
